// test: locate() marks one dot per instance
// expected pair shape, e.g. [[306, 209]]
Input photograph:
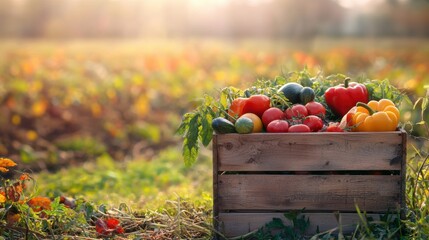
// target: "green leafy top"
[[195, 127]]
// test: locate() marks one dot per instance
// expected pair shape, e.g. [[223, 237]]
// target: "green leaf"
[[301, 223], [208, 101], [190, 152], [102, 208], [206, 133], [279, 80], [336, 77], [231, 93], [276, 223], [291, 215], [383, 89], [190, 143], [223, 99], [184, 125]]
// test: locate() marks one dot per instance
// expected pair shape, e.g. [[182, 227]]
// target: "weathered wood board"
[[309, 151], [376, 193], [258, 176], [236, 224]]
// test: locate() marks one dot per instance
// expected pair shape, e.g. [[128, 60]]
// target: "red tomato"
[[299, 128], [296, 111], [278, 126], [236, 108], [271, 114], [257, 104], [334, 127], [314, 123], [315, 108]]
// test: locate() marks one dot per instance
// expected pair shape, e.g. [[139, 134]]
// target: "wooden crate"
[[260, 176]]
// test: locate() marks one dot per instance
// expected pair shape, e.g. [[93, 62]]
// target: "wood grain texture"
[[403, 174], [251, 192], [309, 151], [215, 185], [237, 224]]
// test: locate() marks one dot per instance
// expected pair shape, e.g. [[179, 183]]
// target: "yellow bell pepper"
[[376, 116]]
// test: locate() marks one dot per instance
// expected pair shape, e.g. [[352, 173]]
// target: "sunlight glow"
[[356, 3], [223, 2]]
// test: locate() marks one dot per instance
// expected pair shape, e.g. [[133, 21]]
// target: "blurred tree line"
[[210, 18]]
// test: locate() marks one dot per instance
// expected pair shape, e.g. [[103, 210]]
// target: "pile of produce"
[[296, 102], [349, 101]]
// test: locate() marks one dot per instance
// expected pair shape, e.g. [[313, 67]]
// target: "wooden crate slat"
[[237, 224], [309, 151], [215, 183], [372, 193]]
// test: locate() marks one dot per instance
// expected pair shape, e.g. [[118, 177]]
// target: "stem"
[[422, 116], [22, 230], [370, 110], [419, 173], [346, 82]]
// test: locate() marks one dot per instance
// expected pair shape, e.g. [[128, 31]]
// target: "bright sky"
[[343, 3], [349, 4], [223, 2], [357, 3]]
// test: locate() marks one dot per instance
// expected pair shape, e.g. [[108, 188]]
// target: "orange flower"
[[39, 203], [2, 197], [5, 163], [24, 177], [12, 218]]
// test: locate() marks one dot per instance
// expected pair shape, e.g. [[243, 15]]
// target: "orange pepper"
[[376, 116]]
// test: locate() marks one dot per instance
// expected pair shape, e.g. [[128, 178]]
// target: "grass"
[[153, 199], [139, 183]]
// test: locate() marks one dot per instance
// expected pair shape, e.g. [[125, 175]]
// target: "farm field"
[[95, 121]]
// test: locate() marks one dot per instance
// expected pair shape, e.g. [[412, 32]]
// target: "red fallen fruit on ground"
[[108, 226]]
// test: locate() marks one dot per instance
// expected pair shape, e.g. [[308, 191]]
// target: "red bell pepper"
[[343, 97], [257, 104]]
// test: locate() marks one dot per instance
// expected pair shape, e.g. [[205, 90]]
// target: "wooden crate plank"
[[403, 174], [215, 183], [372, 193], [309, 151], [237, 224]]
